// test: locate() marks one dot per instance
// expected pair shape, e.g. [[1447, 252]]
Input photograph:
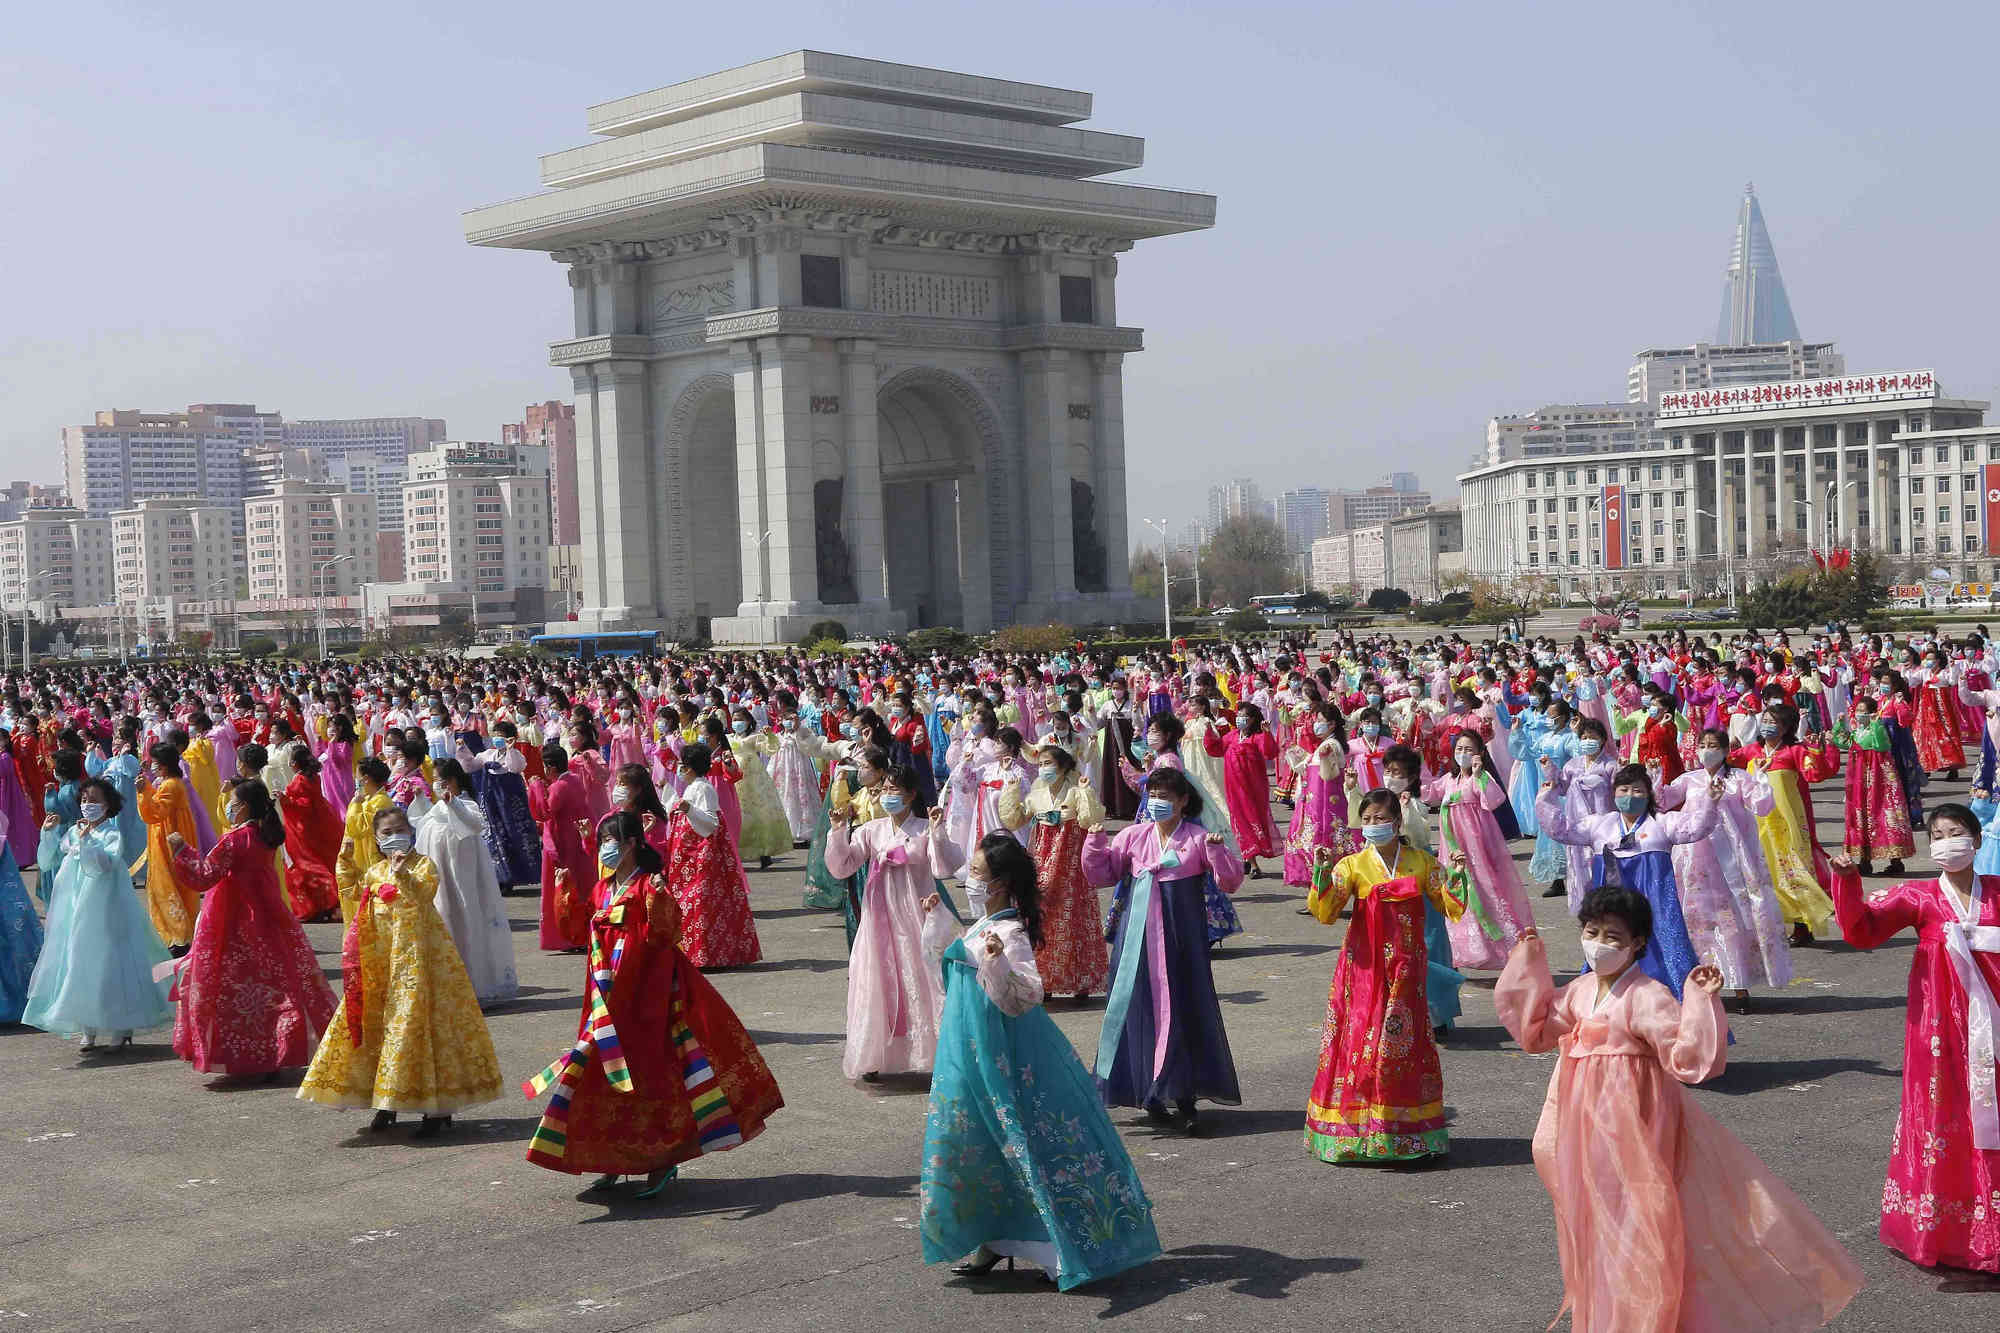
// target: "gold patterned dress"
[[408, 1035]]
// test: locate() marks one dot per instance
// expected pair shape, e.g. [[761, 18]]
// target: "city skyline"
[[1503, 253]]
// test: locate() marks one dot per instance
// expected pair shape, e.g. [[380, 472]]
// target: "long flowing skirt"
[[1018, 1152], [1318, 820], [717, 929], [1935, 729], [96, 968], [797, 783], [1442, 981], [1379, 1091], [1749, 945], [1670, 953], [1196, 1062], [513, 843], [894, 996], [1799, 869], [476, 919], [21, 938], [1072, 959], [1483, 937], [1120, 801], [1878, 810], [252, 997], [826, 891], [765, 831]]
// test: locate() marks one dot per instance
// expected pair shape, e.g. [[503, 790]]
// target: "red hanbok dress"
[[706, 876], [1246, 783], [1073, 959], [34, 771], [689, 1079], [1941, 1202], [252, 997], [1939, 746], [1878, 809], [563, 811], [313, 832]]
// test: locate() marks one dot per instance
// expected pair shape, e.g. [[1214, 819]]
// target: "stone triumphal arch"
[[846, 347]]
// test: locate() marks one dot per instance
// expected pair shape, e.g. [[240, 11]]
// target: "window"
[[1916, 546], [1572, 532], [1943, 484], [1970, 482], [1680, 529], [1944, 453], [1917, 516], [1569, 476], [1680, 497], [1944, 544], [1590, 476], [1534, 557], [1656, 472], [1993, 451], [1659, 528], [1971, 514], [1549, 477], [1659, 555], [1570, 504], [1079, 300], [819, 281], [1659, 499], [1531, 481], [1572, 558], [1533, 533], [1944, 513], [1549, 505]]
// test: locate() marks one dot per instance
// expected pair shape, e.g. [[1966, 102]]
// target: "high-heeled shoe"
[[382, 1121], [981, 1263], [601, 1183], [657, 1182]]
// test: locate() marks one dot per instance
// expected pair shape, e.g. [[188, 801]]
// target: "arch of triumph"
[[847, 347]]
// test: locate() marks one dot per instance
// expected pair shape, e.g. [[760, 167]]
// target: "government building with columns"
[[1750, 478], [847, 347]]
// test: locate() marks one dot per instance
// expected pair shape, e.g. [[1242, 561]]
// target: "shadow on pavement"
[[1475, 1039], [1469, 1153], [1764, 1075], [1245, 1270], [785, 913], [284, 1078], [1269, 950], [1240, 996], [795, 1038], [814, 965], [1821, 1002], [743, 1199]]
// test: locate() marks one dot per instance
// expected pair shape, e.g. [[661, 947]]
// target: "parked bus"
[[587, 647]]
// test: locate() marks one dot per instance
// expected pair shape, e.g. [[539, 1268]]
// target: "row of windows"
[[1944, 514]]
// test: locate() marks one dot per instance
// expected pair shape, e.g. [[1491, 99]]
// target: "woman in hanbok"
[[1725, 887], [1525, 729], [1160, 967], [662, 1070], [1558, 742], [20, 929], [336, 774], [1936, 729], [452, 836], [558, 804], [593, 775], [1799, 870], [1877, 808], [894, 995], [1247, 752], [1634, 849], [1588, 777], [636, 794], [910, 741], [1319, 813], [1403, 779], [313, 834], [408, 1035], [122, 772], [96, 973], [704, 874], [1496, 906], [1166, 747], [16, 808], [204, 772], [252, 998], [1020, 1159], [513, 842], [795, 752], [167, 807], [1204, 770], [1116, 729], [745, 795], [856, 794], [1664, 1220], [1944, 1159], [357, 842], [1366, 749], [1059, 811]]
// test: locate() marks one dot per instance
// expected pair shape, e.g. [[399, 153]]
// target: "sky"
[[1428, 214]]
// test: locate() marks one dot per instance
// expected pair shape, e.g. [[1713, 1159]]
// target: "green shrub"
[[939, 639], [824, 629], [1246, 621], [827, 647], [1388, 599], [1034, 639], [258, 645]]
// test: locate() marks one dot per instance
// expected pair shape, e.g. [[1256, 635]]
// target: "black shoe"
[[763, 863], [1082, 998], [1187, 1122], [1555, 890], [1895, 867], [977, 1267], [1865, 868], [1800, 935], [432, 1126], [1440, 1032], [1157, 1113], [382, 1121], [871, 1077], [1951, 775]]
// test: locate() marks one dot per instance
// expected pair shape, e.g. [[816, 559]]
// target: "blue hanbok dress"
[[96, 973], [513, 839], [1525, 728], [20, 938], [1551, 858], [122, 772], [1019, 1155]]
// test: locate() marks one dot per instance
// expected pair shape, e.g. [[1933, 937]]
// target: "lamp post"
[[763, 563], [221, 640], [322, 567], [28, 619], [1159, 525], [1728, 557]]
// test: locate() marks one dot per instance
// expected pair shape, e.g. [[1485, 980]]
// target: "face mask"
[[1371, 729], [233, 813], [1604, 957], [93, 810], [1712, 758], [1653, 710], [1374, 700], [1953, 853], [1322, 728], [1242, 719], [609, 854], [1396, 783], [892, 802], [740, 727], [1768, 730], [1466, 760], [1049, 772], [1458, 705], [1629, 804], [847, 730], [1377, 834], [620, 795], [897, 711], [394, 844], [1159, 809], [502, 743]]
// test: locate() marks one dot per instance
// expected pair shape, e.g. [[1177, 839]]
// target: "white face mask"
[[1953, 853], [1605, 957], [93, 810], [1712, 759], [394, 844], [1396, 784], [620, 795]]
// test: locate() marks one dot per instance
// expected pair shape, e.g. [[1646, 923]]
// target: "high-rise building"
[[1403, 481], [126, 457], [1306, 515], [253, 429], [366, 474], [1360, 509], [516, 459], [1661, 370], [175, 546], [304, 527], [552, 426], [1755, 308], [56, 555], [1556, 429], [1236, 499], [265, 467], [389, 441], [474, 527]]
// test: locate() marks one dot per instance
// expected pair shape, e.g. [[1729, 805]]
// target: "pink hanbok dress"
[[1665, 1222], [1499, 900], [1246, 785], [336, 775], [895, 995], [1589, 794], [1732, 912]]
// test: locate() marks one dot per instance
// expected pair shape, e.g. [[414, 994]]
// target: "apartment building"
[[55, 555], [308, 534], [476, 527], [175, 546]]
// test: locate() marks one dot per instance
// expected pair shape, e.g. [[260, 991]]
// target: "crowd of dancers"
[[965, 816]]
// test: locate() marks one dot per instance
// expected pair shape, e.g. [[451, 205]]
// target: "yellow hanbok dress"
[[408, 1035], [357, 849], [1791, 850], [173, 906], [204, 777]]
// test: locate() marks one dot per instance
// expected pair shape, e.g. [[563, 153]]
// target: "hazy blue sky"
[[1428, 213]]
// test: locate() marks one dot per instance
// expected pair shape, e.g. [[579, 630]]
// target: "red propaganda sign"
[[1612, 505], [1989, 509]]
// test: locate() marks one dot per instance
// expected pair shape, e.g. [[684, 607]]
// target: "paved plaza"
[[146, 1196]]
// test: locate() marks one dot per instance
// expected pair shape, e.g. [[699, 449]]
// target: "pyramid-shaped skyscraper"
[[1754, 306]]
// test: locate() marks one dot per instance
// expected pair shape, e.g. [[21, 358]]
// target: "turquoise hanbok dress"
[[1525, 729], [1019, 1154], [97, 965], [20, 938], [123, 774], [1551, 858]]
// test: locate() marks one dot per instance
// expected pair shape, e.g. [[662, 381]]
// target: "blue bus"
[[587, 647]]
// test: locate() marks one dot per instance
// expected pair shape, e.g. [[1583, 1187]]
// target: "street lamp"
[[763, 564], [27, 617], [323, 566], [230, 584], [1159, 525], [1728, 556]]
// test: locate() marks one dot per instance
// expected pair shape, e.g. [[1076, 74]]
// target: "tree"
[[1245, 558], [1146, 578], [1811, 596], [1512, 599], [1388, 599]]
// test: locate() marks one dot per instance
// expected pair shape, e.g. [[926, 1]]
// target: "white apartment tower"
[[56, 555], [125, 457], [476, 527], [174, 547], [379, 449], [303, 528]]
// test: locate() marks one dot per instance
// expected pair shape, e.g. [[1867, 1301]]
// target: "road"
[[145, 1196]]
